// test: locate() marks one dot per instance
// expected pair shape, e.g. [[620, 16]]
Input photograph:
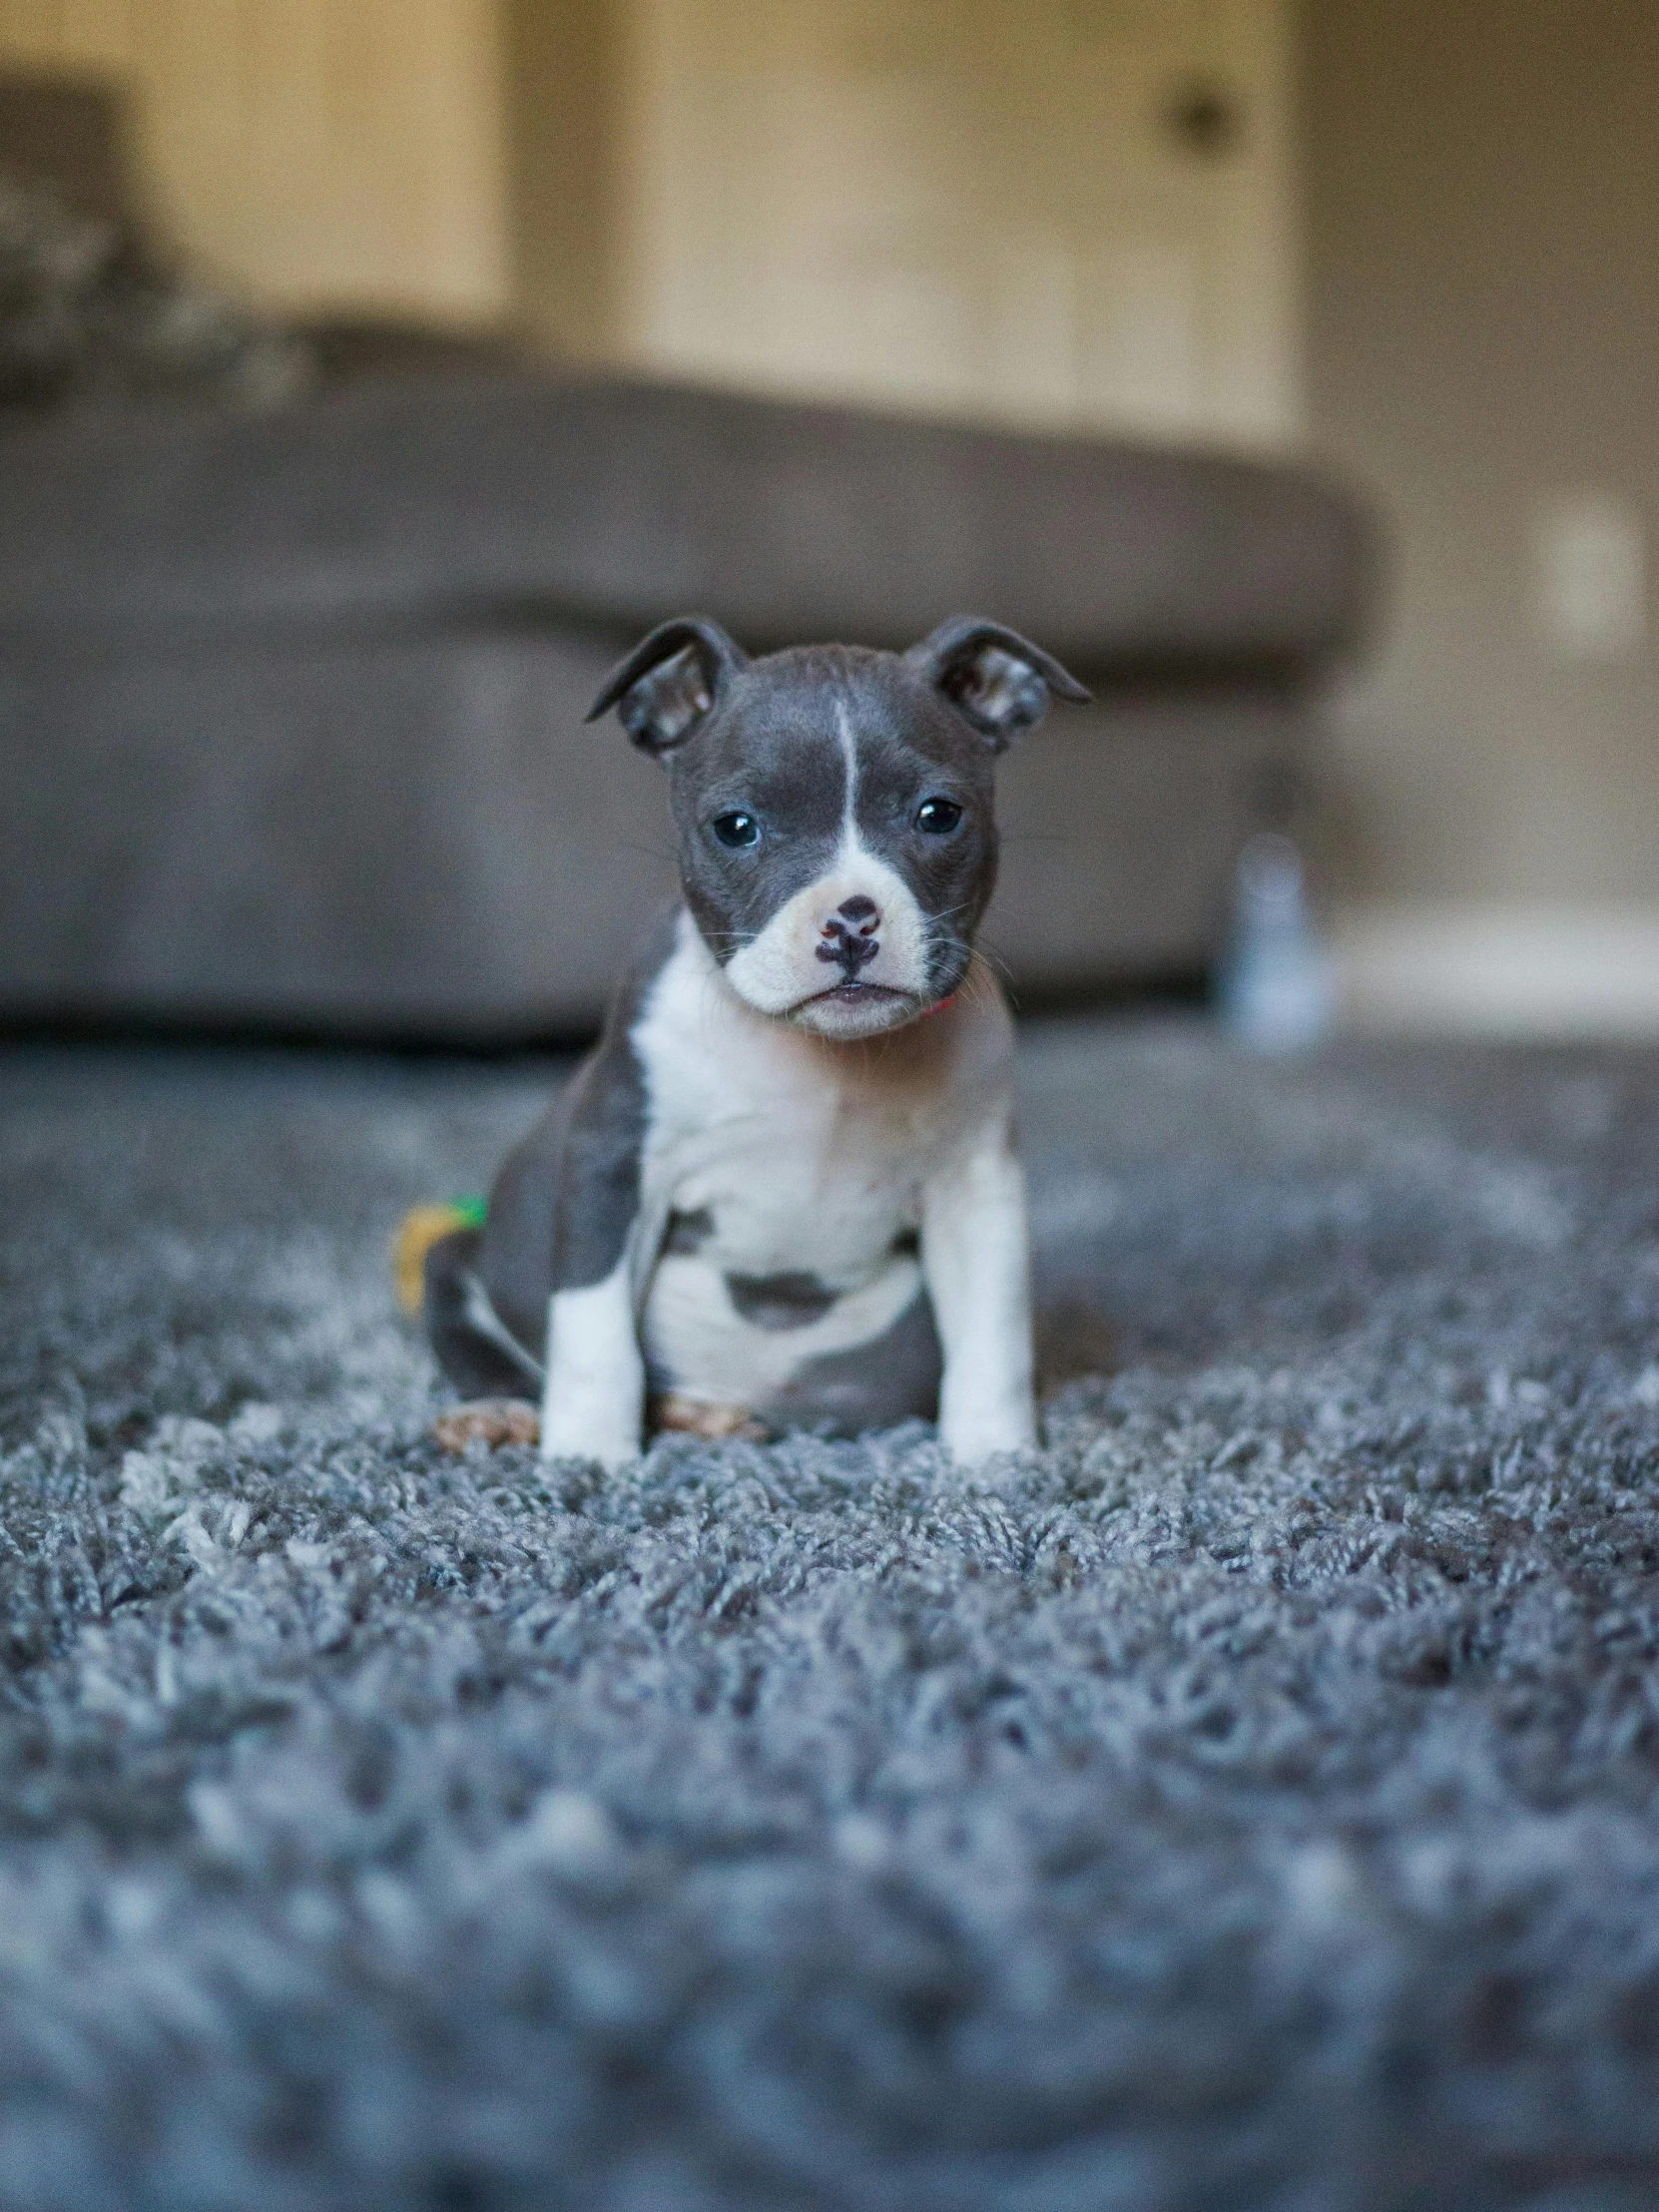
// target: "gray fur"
[[565, 1196], [895, 1378], [668, 684], [791, 1299], [474, 1348], [689, 1231], [996, 680]]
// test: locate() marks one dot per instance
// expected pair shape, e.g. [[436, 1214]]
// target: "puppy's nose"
[[847, 939]]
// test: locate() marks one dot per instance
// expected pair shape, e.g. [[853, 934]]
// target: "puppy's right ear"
[[996, 680], [670, 681]]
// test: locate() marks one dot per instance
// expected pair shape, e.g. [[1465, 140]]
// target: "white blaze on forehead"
[[850, 761], [779, 966]]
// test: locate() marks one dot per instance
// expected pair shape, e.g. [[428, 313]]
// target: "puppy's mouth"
[[854, 1009], [856, 994]]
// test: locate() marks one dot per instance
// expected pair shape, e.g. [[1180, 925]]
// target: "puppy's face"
[[835, 808], [837, 840]]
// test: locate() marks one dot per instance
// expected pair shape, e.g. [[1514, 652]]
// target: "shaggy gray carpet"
[[1248, 1803]]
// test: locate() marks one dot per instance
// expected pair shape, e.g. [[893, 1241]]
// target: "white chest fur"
[[792, 1156]]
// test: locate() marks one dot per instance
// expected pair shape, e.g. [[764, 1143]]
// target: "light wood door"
[[1074, 211], [317, 152]]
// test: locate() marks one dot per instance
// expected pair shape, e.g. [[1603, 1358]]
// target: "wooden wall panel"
[[565, 88], [321, 152], [964, 204]]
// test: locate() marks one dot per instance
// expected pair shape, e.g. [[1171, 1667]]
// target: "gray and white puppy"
[[783, 1189]]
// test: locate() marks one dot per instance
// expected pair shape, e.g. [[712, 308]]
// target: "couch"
[[291, 701]]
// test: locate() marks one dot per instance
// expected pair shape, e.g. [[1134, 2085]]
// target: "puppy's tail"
[[420, 1229]]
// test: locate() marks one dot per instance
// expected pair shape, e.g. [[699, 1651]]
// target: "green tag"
[[471, 1210]]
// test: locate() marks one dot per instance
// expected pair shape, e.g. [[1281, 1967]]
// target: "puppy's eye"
[[936, 817], [736, 828]]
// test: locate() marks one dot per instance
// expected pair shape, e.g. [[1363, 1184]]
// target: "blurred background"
[[1404, 248]]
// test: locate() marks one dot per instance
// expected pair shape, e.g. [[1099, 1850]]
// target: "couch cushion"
[[385, 836], [616, 502]]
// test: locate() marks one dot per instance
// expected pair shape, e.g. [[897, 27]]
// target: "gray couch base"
[[415, 834]]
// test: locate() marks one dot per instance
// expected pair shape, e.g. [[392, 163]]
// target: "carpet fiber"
[[1246, 1802]]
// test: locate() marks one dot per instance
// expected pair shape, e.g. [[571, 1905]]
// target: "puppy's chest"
[[759, 1165], [780, 1198]]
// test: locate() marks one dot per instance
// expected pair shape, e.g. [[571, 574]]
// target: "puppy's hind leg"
[[496, 1377], [876, 1385]]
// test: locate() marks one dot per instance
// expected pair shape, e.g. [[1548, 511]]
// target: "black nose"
[[837, 943]]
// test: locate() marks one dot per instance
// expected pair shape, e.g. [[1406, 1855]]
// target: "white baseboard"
[[1499, 970]]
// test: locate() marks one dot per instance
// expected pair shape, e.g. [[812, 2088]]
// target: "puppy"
[[782, 1191]]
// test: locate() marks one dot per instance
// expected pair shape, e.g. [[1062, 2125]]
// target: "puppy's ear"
[[670, 681], [994, 678]]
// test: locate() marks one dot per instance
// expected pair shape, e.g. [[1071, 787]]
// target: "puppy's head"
[[838, 845]]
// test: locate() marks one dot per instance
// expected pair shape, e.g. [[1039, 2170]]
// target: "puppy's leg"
[[593, 1402], [493, 1373], [593, 1407], [874, 1385], [975, 1256]]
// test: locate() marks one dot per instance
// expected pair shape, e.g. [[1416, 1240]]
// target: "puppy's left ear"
[[671, 681], [994, 678]]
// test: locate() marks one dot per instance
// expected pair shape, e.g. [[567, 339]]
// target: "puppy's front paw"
[[972, 1437], [571, 1438], [488, 1420]]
